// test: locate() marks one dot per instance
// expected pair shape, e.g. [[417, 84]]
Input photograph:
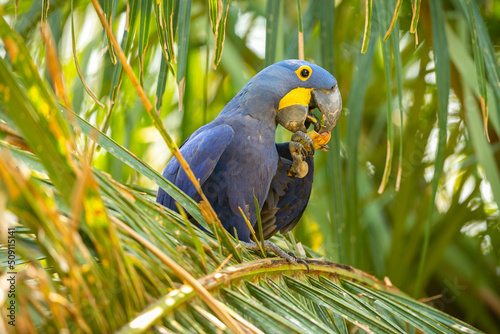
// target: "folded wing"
[[202, 151]]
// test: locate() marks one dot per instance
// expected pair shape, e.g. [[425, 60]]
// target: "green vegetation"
[[409, 191]]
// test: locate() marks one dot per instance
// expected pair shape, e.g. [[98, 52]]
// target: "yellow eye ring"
[[304, 72]]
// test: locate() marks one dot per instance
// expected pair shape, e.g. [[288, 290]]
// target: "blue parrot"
[[235, 156]]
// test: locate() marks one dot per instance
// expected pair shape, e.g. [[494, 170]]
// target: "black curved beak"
[[329, 102], [298, 117]]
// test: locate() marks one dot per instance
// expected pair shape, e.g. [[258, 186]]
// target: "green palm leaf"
[[96, 253]]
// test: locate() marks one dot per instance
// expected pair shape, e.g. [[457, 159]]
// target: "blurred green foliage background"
[[400, 91]]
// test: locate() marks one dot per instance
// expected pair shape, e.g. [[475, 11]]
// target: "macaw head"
[[296, 88]]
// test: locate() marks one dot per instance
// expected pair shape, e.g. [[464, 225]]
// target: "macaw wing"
[[202, 151], [288, 196]]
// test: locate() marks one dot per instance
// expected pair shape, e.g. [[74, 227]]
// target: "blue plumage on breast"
[[288, 196]]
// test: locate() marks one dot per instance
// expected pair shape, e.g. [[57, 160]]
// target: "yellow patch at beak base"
[[299, 95]]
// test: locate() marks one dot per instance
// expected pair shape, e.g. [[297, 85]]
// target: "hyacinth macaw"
[[235, 156]]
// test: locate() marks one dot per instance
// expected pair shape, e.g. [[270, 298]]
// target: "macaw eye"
[[304, 72]]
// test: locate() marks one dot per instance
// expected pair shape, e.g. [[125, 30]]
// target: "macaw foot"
[[301, 145], [269, 246]]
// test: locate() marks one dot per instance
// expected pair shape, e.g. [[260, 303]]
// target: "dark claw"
[[297, 148], [292, 254], [268, 245], [304, 263], [303, 139], [312, 119], [325, 147], [317, 126]]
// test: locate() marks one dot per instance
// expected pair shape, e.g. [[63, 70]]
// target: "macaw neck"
[[251, 108]]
